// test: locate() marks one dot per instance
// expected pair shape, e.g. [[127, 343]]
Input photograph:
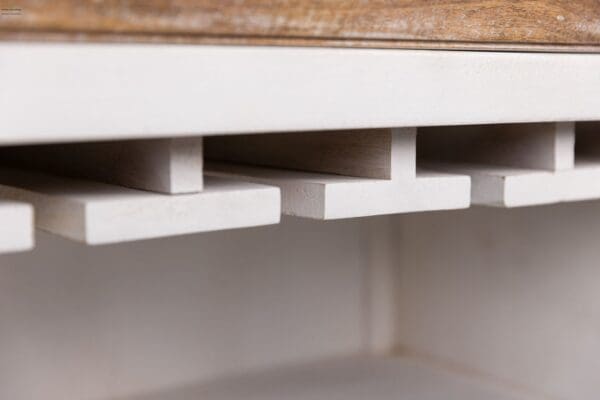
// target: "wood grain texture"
[[170, 166], [375, 23], [368, 153]]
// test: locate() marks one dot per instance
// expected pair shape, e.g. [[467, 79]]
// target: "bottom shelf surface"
[[351, 378]]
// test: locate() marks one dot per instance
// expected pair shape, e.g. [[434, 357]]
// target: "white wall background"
[[513, 294], [127, 320]]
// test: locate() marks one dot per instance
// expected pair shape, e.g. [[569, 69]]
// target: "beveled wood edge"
[[143, 38]]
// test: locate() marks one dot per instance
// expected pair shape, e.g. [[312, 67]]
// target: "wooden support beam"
[[374, 153], [16, 226], [97, 213], [170, 166]]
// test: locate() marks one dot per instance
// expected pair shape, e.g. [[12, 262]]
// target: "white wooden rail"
[[79, 92]]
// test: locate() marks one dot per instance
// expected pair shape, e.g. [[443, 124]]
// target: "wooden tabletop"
[[532, 25]]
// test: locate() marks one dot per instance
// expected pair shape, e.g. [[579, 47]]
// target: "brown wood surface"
[[558, 24], [364, 153]]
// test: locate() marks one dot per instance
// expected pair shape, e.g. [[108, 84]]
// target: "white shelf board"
[[502, 186], [16, 226], [353, 378], [98, 213], [55, 92], [326, 196]]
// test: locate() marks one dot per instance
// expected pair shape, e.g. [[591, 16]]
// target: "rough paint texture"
[[376, 23]]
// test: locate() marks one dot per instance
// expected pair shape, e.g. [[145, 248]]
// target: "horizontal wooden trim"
[[553, 24], [92, 92], [95, 37]]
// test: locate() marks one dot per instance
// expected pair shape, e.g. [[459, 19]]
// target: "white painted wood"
[[547, 146], [517, 187], [369, 153], [161, 165], [323, 196], [513, 165], [97, 213], [403, 153], [353, 379], [117, 91], [507, 186], [511, 293], [16, 226]]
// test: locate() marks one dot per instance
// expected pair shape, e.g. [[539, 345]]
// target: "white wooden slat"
[[507, 186], [326, 196], [370, 153], [524, 172], [353, 378], [161, 165], [16, 226], [97, 213], [118, 91], [515, 187]]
